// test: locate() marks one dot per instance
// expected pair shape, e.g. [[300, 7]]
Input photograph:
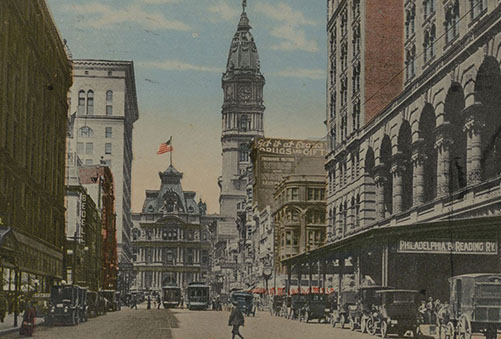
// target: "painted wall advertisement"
[[485, 247]]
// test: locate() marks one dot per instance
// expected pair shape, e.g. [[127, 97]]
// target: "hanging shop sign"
[[484, 247]]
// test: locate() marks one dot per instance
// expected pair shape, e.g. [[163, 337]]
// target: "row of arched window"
[[86, 102]]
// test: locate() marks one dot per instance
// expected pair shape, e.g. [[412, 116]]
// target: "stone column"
[[443, 145], [397, 171], [380, 180], [339, 233], [418, 159], [473, 128]]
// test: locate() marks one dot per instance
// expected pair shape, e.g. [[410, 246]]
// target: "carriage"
[[475, 306], [366, 300], [297, 303]]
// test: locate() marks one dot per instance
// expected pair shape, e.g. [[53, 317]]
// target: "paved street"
[[214, 325], [125, 324]]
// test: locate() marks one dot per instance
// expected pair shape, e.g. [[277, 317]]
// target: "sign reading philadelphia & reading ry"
[[485, 247]]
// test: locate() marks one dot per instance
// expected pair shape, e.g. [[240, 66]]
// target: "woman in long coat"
[[236, 320]]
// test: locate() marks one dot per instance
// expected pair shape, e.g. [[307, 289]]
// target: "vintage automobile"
[[63, 305], [297, 303], [341, 314], [197, 296], [112, 300], [102, 302], [82, 304], [366, 300], [315, 305], [475, 306], [92, 304], [171, 296], [396, 313], [276, 306], [244, 301]]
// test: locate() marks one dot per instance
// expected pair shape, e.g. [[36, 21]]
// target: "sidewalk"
[[8, 324]]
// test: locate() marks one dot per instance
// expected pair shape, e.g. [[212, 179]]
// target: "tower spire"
[[244, 5]]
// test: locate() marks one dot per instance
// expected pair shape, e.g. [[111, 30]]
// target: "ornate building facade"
[[35, 76], [417, 189], [171, 236]]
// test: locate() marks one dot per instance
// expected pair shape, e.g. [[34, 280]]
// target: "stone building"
[[171, 236], [103, 109], [35, 76], [299, 215], [417, 189]]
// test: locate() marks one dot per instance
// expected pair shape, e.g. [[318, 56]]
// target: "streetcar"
[[197, 296], [171, 296]]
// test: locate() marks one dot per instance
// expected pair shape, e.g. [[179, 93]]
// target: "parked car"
[[367, 298], [297, 303], [111, 302], [63, 303], [82, 304], [341, 315], [396, 313], [315, 305]]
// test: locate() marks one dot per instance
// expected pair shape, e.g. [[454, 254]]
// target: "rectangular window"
[[108, 132], [80, 147], [310, 193], [88, 161], [295, 193], [107, 162], [109, 110], [89, 148], [107, 148]]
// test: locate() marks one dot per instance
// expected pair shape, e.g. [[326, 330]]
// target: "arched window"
[[85, 132], [427, 133], [90, 102], [385, 159], [243, 124], [405, 152], [81, 102], [453, 107], [109, 103]]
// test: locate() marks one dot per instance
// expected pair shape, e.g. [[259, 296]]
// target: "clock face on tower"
[[244, 92]]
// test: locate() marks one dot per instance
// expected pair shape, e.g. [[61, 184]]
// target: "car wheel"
[[363, 325], [464, 328], [74, 318], [384, 329], [342, 320], [351, 323], [370, 325]]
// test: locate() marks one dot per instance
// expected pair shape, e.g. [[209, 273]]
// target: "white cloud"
[[102, 16], [284, 13], [222, 11], [292, 39], [315, 74], [288, 27], [176, 65]]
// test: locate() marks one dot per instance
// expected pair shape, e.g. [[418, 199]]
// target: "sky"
[[179, 49]]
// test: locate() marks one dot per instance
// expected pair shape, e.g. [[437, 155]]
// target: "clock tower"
[[242, 115]]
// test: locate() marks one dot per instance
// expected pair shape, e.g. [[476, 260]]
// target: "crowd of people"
[[433, 312]]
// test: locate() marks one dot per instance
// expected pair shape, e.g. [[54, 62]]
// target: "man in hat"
[[236, 320]]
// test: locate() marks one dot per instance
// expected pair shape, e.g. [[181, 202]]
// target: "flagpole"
[[171, 150]]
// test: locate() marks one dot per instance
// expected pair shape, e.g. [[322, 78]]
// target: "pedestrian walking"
[[28, 325], [133, 303], [236, 320], [158, 302], [149, 302]]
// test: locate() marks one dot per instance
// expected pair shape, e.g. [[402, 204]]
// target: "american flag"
[[165, 147]]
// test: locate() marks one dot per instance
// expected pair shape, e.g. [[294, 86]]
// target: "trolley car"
[[197, 296], [171, 296]]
